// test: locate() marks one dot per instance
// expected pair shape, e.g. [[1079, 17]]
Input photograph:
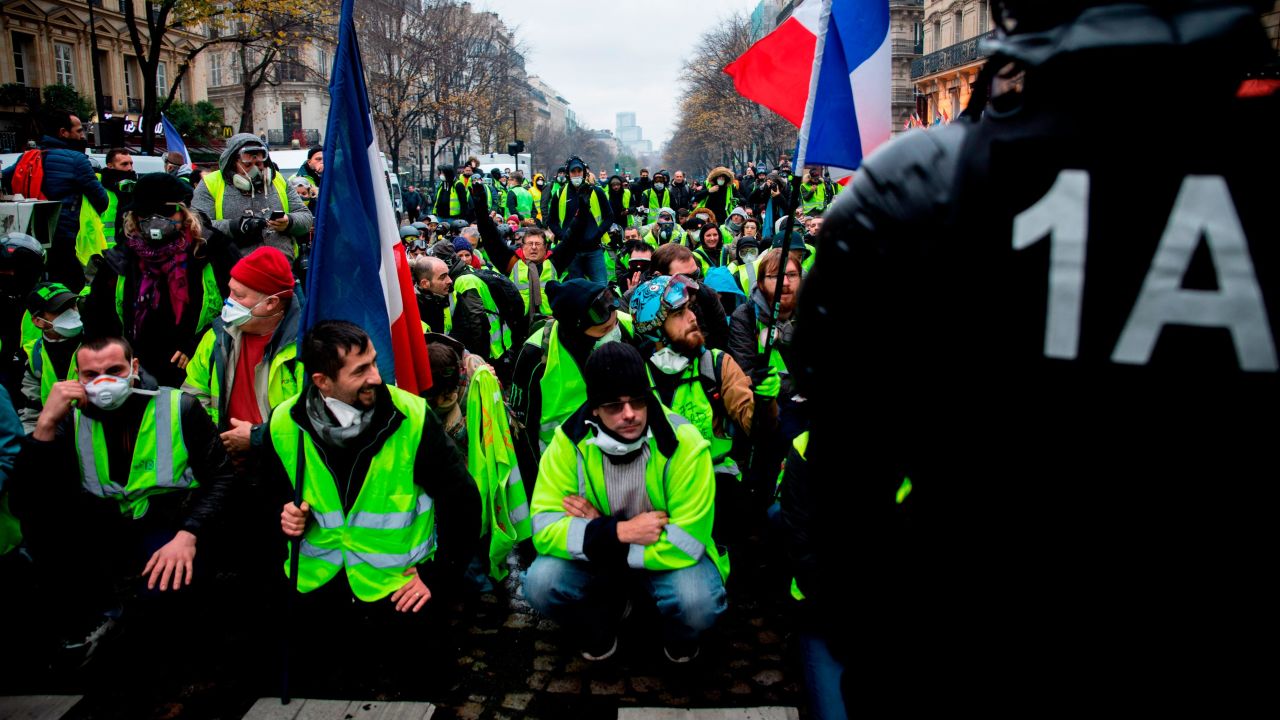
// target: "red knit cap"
[[265, 270]]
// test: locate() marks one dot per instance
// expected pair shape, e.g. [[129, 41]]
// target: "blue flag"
[[173, 140]]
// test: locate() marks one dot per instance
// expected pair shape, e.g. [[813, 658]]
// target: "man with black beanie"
[[601, 519]]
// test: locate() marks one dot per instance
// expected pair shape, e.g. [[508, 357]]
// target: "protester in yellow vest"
[[119, 179], [163, 283], [625, 498], [120, 481], [248, 199], [388, 509], [52, 358], [247, 363]]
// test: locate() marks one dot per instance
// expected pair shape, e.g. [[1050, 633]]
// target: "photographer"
[[249, 200], [633, 263], [768, 200]]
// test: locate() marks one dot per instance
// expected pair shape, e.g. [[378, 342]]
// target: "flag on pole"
[[359, 271], [173, 139], [827, 70]]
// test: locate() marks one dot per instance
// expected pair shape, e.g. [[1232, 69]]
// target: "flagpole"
[[793, 202]]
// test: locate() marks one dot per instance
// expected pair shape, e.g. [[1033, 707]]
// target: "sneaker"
[[596, 654], [84, 648], [682, 652]]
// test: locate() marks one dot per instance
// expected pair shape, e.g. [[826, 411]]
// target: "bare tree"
[[717, 126]]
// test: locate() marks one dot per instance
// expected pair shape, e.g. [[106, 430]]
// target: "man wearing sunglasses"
[[625, 498], [706, 387]]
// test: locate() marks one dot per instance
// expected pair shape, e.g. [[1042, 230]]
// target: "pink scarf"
[[168, 264]]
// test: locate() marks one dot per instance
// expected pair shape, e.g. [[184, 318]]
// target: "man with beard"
[[389, 514], [625, 494], [118, 179], [433, 286], [747, 330], [704, 386], [68, 177]]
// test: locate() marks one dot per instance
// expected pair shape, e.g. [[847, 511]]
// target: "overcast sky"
[[611, 56]]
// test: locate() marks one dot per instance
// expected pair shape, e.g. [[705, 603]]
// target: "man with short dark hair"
[[68, 178], [118, 480], [432, 287], [388, 509], [626, 492], [118, 178]]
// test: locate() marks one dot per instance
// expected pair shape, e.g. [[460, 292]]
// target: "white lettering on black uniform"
[[1203, 208]]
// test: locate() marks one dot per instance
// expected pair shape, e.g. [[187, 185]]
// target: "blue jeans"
[[577, 595], [822, 673], [589, 265]]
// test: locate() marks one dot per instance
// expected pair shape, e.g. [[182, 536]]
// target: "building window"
[[162, 79], [64, 68], [124, 4], [215, 69], [322, 60], [19, 61], [959, 30], [937, 35], [984, 16]]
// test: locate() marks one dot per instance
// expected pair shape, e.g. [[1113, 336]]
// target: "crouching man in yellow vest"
[[625, 497], [119, 478], [388, 509]]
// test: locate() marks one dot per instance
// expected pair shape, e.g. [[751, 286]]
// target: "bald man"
[[433, 285]]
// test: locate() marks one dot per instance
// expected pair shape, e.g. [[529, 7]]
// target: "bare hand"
[[714, 188], [580, 507], [293, 520], [171, 561], [775, 192], [279, 225], [413, 595], [63, 396], [643, 529], [236, 440], [180, 360], [591, 178]]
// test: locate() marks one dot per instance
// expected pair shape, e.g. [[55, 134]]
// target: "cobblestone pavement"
[[510, 664]]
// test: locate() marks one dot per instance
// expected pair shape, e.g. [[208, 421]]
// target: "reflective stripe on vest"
[[499, 333], [690, 401], [159, 464], [109, 218], [564, 202], [391, 525], [39, 360], [654, 204], [217, 186]]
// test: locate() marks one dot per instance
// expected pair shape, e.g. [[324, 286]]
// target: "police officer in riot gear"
[[1040, 449]]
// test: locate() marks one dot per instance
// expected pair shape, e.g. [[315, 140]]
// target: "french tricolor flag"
[[827, 70], [359, 271]]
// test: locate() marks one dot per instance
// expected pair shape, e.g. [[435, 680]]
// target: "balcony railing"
[[283, 136], [904, 95], [905, 47], [962, 53], [906, 3]]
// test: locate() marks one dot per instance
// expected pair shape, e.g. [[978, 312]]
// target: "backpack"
[[28, 175], [510, 305]]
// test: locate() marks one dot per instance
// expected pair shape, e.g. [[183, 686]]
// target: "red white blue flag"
[[359, 271]]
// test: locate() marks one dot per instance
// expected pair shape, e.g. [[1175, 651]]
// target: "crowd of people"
[[627, 387], [601, 387]]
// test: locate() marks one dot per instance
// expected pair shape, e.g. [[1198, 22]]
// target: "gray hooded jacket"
[[261, 201]]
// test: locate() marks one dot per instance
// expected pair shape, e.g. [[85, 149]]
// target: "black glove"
[[248, 230]]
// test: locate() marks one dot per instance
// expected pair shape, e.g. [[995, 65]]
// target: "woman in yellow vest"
[[163, 283]]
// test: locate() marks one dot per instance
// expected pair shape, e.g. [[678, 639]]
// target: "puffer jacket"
[[68, 177], [722, 201]]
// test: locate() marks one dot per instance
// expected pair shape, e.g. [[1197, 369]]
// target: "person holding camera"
[[249, 200], [163, 283]]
